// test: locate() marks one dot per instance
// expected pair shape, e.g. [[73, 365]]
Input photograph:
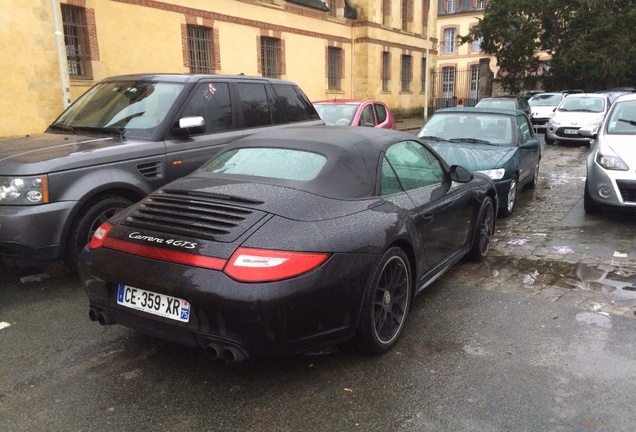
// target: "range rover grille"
[[195, 214]]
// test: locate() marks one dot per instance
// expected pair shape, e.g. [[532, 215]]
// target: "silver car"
[[582, 110], [611, 164], [542, 105]]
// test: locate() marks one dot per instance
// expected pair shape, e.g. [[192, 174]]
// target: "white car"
[[542, 105], [611, 164], [583, 110]]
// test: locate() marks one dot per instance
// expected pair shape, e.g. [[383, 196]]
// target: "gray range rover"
[[125, 137]]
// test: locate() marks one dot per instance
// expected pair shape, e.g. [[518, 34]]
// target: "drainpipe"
[[61, 54], [428, 43]]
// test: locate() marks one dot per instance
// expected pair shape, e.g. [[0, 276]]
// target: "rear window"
[[278, 163], [295, 105]]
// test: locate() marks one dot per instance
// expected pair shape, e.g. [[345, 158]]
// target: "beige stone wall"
[[30, 84], [133, 36]]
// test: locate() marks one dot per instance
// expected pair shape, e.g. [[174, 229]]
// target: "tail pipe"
[[219, 351], [101, 316]]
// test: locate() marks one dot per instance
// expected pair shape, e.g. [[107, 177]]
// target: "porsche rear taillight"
[[100, 234], [262, 265]]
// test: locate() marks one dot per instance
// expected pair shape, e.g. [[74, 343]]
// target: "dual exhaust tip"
[[213, 350], [228, 353], [96, 314]]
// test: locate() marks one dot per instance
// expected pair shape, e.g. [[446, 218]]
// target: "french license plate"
[[153, 303], [570, 131]]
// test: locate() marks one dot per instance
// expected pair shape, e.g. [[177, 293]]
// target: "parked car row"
[[228, 212]]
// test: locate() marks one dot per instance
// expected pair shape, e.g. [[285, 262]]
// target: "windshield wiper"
[[631, 122], [433, 138], [64, 128], [471, 140], [119, 131]]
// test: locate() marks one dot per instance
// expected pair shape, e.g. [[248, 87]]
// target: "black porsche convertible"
[[290, 240]]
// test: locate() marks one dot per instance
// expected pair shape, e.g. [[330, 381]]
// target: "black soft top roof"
[[353, 155]]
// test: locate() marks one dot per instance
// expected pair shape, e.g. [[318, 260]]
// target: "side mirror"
[[532, 144], [460, 174], [189, 126]]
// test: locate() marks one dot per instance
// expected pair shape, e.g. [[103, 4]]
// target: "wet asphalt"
[[540, 337]]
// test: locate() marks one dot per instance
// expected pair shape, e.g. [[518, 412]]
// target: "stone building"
[[54, 50]]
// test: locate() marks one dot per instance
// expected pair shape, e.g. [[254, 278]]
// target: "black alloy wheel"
[[484, 231], [387, 301]]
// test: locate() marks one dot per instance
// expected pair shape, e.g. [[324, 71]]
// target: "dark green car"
[[497, 142]]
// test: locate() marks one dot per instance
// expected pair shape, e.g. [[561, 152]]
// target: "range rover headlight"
[[24, 190]]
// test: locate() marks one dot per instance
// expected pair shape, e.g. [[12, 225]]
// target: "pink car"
[[355, 112]]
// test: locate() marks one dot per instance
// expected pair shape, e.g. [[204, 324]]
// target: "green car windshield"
[[466, 127]]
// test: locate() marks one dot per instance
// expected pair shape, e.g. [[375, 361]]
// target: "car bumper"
[[565, 133], [540, 123], [611, 188], [33, 233], [259, 319]]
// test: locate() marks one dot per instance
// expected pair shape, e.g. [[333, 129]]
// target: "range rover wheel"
[[90, 217]]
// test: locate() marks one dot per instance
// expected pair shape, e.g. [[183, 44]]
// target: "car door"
[[367, 116], [212, 100], [441, 214], [529, 149]]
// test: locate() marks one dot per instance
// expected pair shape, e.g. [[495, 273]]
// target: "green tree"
[[591, 43]]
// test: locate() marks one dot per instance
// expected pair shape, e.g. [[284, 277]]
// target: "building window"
[[424, 73], [270, 57], [407, 73], [448, 82], [450, 6], [386, 13], [480, 4], [476, 45], [405, 15], [449, 40], [386, 70], [334, 67], [331, 4], [200, 50], [474, 82], [76, 41]]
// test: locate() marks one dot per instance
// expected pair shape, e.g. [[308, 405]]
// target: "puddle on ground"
[[619, 283]]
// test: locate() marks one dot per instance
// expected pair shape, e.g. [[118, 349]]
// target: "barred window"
[[405, 15], [76, 41], [386, 68], [332, 8], [448, 82], [423, 77], [334, 67], [270, 57], [200, 50], [406, 73], [474, 82]]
